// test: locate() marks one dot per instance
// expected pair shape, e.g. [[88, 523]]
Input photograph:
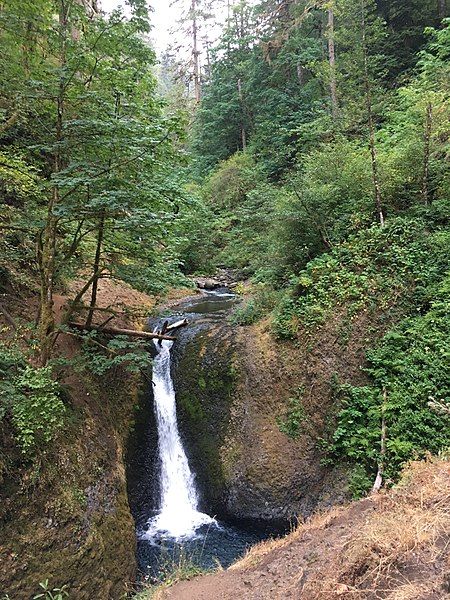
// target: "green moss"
[[205, 381], [191, 405]]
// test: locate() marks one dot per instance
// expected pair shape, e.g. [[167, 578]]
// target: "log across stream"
[[172, 521]]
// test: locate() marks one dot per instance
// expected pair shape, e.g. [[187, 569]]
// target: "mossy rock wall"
[[67, 519], [205, 375], [234, 386]]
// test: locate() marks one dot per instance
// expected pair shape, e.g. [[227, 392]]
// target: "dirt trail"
[[394, 546]]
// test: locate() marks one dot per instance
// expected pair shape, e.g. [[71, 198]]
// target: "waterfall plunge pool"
[[164, 499]]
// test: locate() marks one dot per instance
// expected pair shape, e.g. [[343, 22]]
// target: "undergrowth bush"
[[411, 364], [49, 593], [178, 566], [31, 398], [293, 421], [252, 310], [99, 358], [373, 270]]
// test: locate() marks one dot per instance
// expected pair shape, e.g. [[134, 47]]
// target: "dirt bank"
[[395, 546]]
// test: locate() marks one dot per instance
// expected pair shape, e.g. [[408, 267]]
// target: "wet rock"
[[207, 284]]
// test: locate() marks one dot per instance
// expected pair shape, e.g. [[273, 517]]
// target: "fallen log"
[[177, 325], [166, 328], [146, 335]]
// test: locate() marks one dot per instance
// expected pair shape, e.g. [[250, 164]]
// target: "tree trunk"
[[426, 153], [379, 478], [332, 61], [241, 100], [47, 246], [97, 270], [370, 121], [442, 9], [195, 53], [145, 335]]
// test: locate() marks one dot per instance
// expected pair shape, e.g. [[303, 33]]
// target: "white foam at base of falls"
[[178, 516]]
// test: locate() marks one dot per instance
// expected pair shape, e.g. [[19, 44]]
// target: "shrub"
[[284, 321], [292, 422], [411, 364], [247, 314], [38, 411], [51, 594], [379, 267], [31, 398], [98, 358]]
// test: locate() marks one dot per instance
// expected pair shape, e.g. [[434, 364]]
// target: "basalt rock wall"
[[234, 389]]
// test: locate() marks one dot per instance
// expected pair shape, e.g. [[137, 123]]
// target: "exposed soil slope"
[[395, 546]]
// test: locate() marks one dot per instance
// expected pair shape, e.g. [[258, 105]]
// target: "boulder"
[[206, 283]]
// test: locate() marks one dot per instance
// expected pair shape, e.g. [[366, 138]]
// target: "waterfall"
[[178, 516]]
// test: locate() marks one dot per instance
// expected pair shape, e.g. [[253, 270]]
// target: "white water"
[[178, 516]]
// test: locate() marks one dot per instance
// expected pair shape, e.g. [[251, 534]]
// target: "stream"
[[171, 528]]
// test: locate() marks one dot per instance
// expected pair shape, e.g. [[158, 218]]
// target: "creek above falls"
[[174, 478]]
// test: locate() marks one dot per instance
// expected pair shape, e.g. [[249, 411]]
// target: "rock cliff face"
[[68, 521], [205, 376], [234, 389]]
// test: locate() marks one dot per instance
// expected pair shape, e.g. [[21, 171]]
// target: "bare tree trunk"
[[300, 74], [47, 246], [97, 270], [442, 9], [208, 58], [243, 131], [380, 473], [332, 61], [426, 153], [195, 53], [370, 121], [119, 331]]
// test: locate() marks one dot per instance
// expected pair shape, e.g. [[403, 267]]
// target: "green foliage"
[[411, 364], [262, 302], [52, 594], [175, 567], [291, 424], [31, 398], [372, 270], [284, 320], [120, 351], [19, 210], [359, 482], [247, 314], [38, 411], [109, 172]]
